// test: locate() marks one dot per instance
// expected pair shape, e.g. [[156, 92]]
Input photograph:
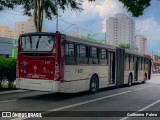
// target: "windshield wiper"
[[38, 42]]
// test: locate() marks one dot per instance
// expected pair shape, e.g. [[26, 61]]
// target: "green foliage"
[[156, 57], [136, 6], [7, 70], [2, 67], [6, 3], [90, 37], [7, 86], [123, 45], [11, 69]]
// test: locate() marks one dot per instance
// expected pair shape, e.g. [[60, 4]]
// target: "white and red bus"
[[59, 63]]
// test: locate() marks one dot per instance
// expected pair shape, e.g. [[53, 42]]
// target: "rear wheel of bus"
[[93, 85]]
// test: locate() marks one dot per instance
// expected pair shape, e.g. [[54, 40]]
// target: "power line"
[[80, 27], [11, 13], [67, 27]]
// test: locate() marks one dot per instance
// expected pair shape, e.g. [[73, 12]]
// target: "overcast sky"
[[92, 20]]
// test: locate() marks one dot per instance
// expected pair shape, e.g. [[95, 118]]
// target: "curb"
[[13, 91]]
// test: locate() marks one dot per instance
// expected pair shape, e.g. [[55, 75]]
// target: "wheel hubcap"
[[129, 81], [93, 86]]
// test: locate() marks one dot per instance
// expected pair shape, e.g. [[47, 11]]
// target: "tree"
[[90, 37], [136, 6], [123, 45], [41, 7]]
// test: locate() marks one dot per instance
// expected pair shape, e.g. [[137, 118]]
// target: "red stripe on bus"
[[80, 79]]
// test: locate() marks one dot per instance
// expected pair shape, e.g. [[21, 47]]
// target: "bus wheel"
[[145, 78], [129, 81], [93, 85]]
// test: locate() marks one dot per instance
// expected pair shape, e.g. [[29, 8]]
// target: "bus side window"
[[131, 62], [144, 63], [147, 63], [126, 62], [82, 57], [94, 54], [103, 56], [70, 53], [141, 63]]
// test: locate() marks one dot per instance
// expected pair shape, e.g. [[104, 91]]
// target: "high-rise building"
[[141, 44], [25, 27], [120, 29], [6, 32]]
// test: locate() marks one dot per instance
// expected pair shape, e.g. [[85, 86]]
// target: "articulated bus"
[[59, 63]]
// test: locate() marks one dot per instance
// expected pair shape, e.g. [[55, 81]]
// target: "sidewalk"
[[12, 91]]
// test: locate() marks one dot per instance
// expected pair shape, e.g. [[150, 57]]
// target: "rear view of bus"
[[38, 62]]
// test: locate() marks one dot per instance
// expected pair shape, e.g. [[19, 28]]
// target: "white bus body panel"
[[36, 84], [80, 81]]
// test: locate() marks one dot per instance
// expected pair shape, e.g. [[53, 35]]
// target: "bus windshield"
[[37, 43]]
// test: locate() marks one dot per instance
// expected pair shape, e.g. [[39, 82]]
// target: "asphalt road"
[[118, 101]]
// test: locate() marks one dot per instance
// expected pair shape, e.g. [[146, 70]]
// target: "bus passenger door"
[[136, 69], [111, 62]]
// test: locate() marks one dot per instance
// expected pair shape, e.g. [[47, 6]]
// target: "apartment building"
[[25, 27], [20, 28], [6, 32], [120, 29], [141, 44]]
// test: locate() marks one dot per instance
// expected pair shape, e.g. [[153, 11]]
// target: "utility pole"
[[57, 22], [57, 16]]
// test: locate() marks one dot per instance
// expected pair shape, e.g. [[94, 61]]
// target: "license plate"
[[35, 76]]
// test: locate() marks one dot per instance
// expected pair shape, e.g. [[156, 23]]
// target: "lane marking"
[[8, 101], [77, 104], [158, 101], [86, 102]]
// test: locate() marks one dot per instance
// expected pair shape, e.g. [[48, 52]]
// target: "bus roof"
[[133, 52], [88, 42], [36, 33]]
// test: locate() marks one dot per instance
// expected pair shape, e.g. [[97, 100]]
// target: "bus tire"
[[145, 78], [129, 81], [93, 85]]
